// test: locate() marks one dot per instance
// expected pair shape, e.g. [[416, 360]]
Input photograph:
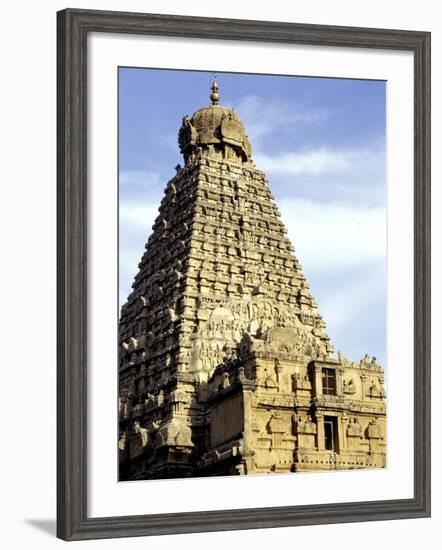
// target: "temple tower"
[[224, 363]]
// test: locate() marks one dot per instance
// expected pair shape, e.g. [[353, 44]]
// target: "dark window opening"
[[331, 433], [329, 381]]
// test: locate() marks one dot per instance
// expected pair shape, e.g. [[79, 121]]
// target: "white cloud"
[[262, 116], [138, 214], [334, 235], [347, 303], [354, 310], [140, 196], [317, 161], [136, 221], [139, 178], [342, 250]]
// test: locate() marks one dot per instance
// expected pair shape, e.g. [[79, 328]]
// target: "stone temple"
[[225, 367]]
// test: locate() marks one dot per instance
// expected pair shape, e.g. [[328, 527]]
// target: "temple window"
[[329, 381]]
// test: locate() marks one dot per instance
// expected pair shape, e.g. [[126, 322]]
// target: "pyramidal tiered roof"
[[218, 291]]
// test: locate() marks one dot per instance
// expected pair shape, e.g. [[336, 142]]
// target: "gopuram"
[[225, 367]]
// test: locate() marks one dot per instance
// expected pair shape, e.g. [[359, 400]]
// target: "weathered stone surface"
[[224, 363]]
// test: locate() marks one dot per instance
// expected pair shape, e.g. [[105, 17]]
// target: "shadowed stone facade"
[[224, 363]]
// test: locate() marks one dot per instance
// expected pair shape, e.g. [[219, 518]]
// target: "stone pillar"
[[363, 389], [278, 371], [318, 381], [374, 436], [339, 381], [320, 434], [340, 425], [343, 432], [248, 435]]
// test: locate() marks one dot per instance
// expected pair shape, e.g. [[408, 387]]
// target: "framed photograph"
[[243, 274]]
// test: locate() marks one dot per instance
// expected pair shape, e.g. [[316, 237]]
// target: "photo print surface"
[[252, 274]]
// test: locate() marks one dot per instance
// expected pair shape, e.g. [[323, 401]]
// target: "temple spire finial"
[[214, 96]]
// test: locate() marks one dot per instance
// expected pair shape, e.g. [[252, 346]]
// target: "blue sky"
[[321, 142]]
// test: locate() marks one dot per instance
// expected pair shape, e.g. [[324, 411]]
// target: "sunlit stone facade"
[[224, 363]]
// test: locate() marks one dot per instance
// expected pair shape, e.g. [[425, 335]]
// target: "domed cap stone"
[[215, 126]]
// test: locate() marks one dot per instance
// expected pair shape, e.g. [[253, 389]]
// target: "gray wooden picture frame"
[[73, 27]]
